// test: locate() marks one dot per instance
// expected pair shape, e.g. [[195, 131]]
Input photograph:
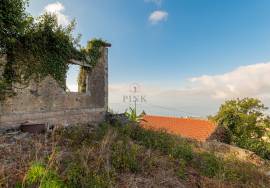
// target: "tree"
[[246, 124], [12, 22]]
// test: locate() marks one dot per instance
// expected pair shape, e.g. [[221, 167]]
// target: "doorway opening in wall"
[[72, 78]]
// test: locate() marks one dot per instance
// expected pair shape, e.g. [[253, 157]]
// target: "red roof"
[[185, 127]]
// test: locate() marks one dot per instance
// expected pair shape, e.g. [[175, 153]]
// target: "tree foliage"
[[246, 124], [12, 22], [36, 48]]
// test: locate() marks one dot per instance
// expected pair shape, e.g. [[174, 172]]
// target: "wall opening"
[[72, 78]]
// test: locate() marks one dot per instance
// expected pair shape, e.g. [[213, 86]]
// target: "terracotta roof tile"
[[185, 127]]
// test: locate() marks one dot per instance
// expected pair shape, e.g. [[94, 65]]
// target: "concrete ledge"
[[65, 117]]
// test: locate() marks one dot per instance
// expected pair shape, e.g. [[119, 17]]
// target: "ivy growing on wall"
[[93, 51], [37, 48]]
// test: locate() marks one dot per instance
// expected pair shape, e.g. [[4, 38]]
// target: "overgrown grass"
[[102, 157], [160, 140], [125, 156], [206, 163]]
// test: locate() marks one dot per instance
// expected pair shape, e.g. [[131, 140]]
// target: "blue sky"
[[208, 50]]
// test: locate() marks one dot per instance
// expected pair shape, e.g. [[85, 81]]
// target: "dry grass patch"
[[118, 156]]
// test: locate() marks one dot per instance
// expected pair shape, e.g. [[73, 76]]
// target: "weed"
[[166, 143], [80, 135], [96, 180], [132, 115], [74, 175], [35, 173], [181, 171], [246, 173], [208, 164], [125, 156], [45, 178], [78, 177]]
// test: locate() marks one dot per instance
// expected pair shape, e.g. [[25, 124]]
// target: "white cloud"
[[158, 16], [250, 81], [157, 2], [57, 8], [200, 96]]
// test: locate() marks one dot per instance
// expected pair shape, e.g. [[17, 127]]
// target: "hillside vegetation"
[[244, 123], [115, 155]]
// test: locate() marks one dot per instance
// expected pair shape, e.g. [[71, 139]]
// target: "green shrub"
[[124, 132], [242, 172], [80, 135], [208, 164], [182, 151], [164, 142], [93, 179], [101, 131], [45, 178], [125, 156], [259, 147], [79, 175], [182, 169], [35, 173], [98, 180], [75, 175]]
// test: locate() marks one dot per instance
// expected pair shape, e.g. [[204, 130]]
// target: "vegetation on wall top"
[[93, 54]]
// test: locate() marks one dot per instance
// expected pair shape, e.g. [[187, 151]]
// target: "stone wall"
[[48, 103]]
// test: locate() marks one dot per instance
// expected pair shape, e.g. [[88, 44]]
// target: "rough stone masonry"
[[48, 103]]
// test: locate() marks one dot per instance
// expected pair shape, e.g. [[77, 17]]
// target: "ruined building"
[[47, 103]]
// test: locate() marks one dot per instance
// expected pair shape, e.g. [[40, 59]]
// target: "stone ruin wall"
[[48, 103]]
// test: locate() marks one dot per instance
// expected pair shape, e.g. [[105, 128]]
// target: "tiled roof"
[[185, 127]]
